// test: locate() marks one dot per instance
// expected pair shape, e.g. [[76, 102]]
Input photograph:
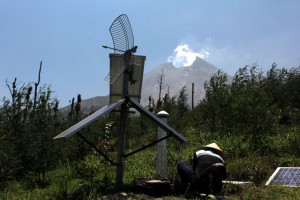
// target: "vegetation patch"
[[255, 118]]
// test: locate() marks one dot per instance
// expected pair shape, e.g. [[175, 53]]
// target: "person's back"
[[207, 172]]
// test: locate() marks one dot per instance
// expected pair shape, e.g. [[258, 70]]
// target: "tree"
[[252, 112], [178, 109], [292, 87], [216, 104], [160, 80], [275, 88], [29, 122], [182, 101]]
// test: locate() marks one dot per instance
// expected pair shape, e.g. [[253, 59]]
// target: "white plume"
[[183, 56]]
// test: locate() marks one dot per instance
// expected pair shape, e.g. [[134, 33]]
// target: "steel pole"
[[123, 123], [121, 145]]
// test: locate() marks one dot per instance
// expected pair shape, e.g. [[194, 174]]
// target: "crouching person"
[[207, 172]]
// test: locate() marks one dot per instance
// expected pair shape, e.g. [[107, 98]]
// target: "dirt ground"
[[133, 196]]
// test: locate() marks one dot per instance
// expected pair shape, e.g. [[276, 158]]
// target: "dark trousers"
[[186, 174], [203, 185]]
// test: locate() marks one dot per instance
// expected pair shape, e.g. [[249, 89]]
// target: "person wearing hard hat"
[[207, 172]]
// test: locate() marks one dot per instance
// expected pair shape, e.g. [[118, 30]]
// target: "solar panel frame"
[[160, 122], [106, 109], [285, 176]]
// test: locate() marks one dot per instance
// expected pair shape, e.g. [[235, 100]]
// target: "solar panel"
[[77, 127], [285, 176]]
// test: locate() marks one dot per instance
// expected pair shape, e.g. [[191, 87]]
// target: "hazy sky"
[[68, 37]]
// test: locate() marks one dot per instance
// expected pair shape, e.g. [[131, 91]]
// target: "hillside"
[[176, 78], [88, 105]]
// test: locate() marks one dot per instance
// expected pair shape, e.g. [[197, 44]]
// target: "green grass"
[[263, 192], [93, 176]]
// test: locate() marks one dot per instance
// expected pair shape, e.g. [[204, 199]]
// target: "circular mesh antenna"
[[121, 34], [123, 40]]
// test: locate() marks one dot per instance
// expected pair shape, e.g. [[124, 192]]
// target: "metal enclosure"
[[136, 68]]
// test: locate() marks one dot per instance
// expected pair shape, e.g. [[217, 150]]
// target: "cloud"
[[184, 56]]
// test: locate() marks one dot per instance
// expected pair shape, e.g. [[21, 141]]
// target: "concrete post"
[[161, 159]]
